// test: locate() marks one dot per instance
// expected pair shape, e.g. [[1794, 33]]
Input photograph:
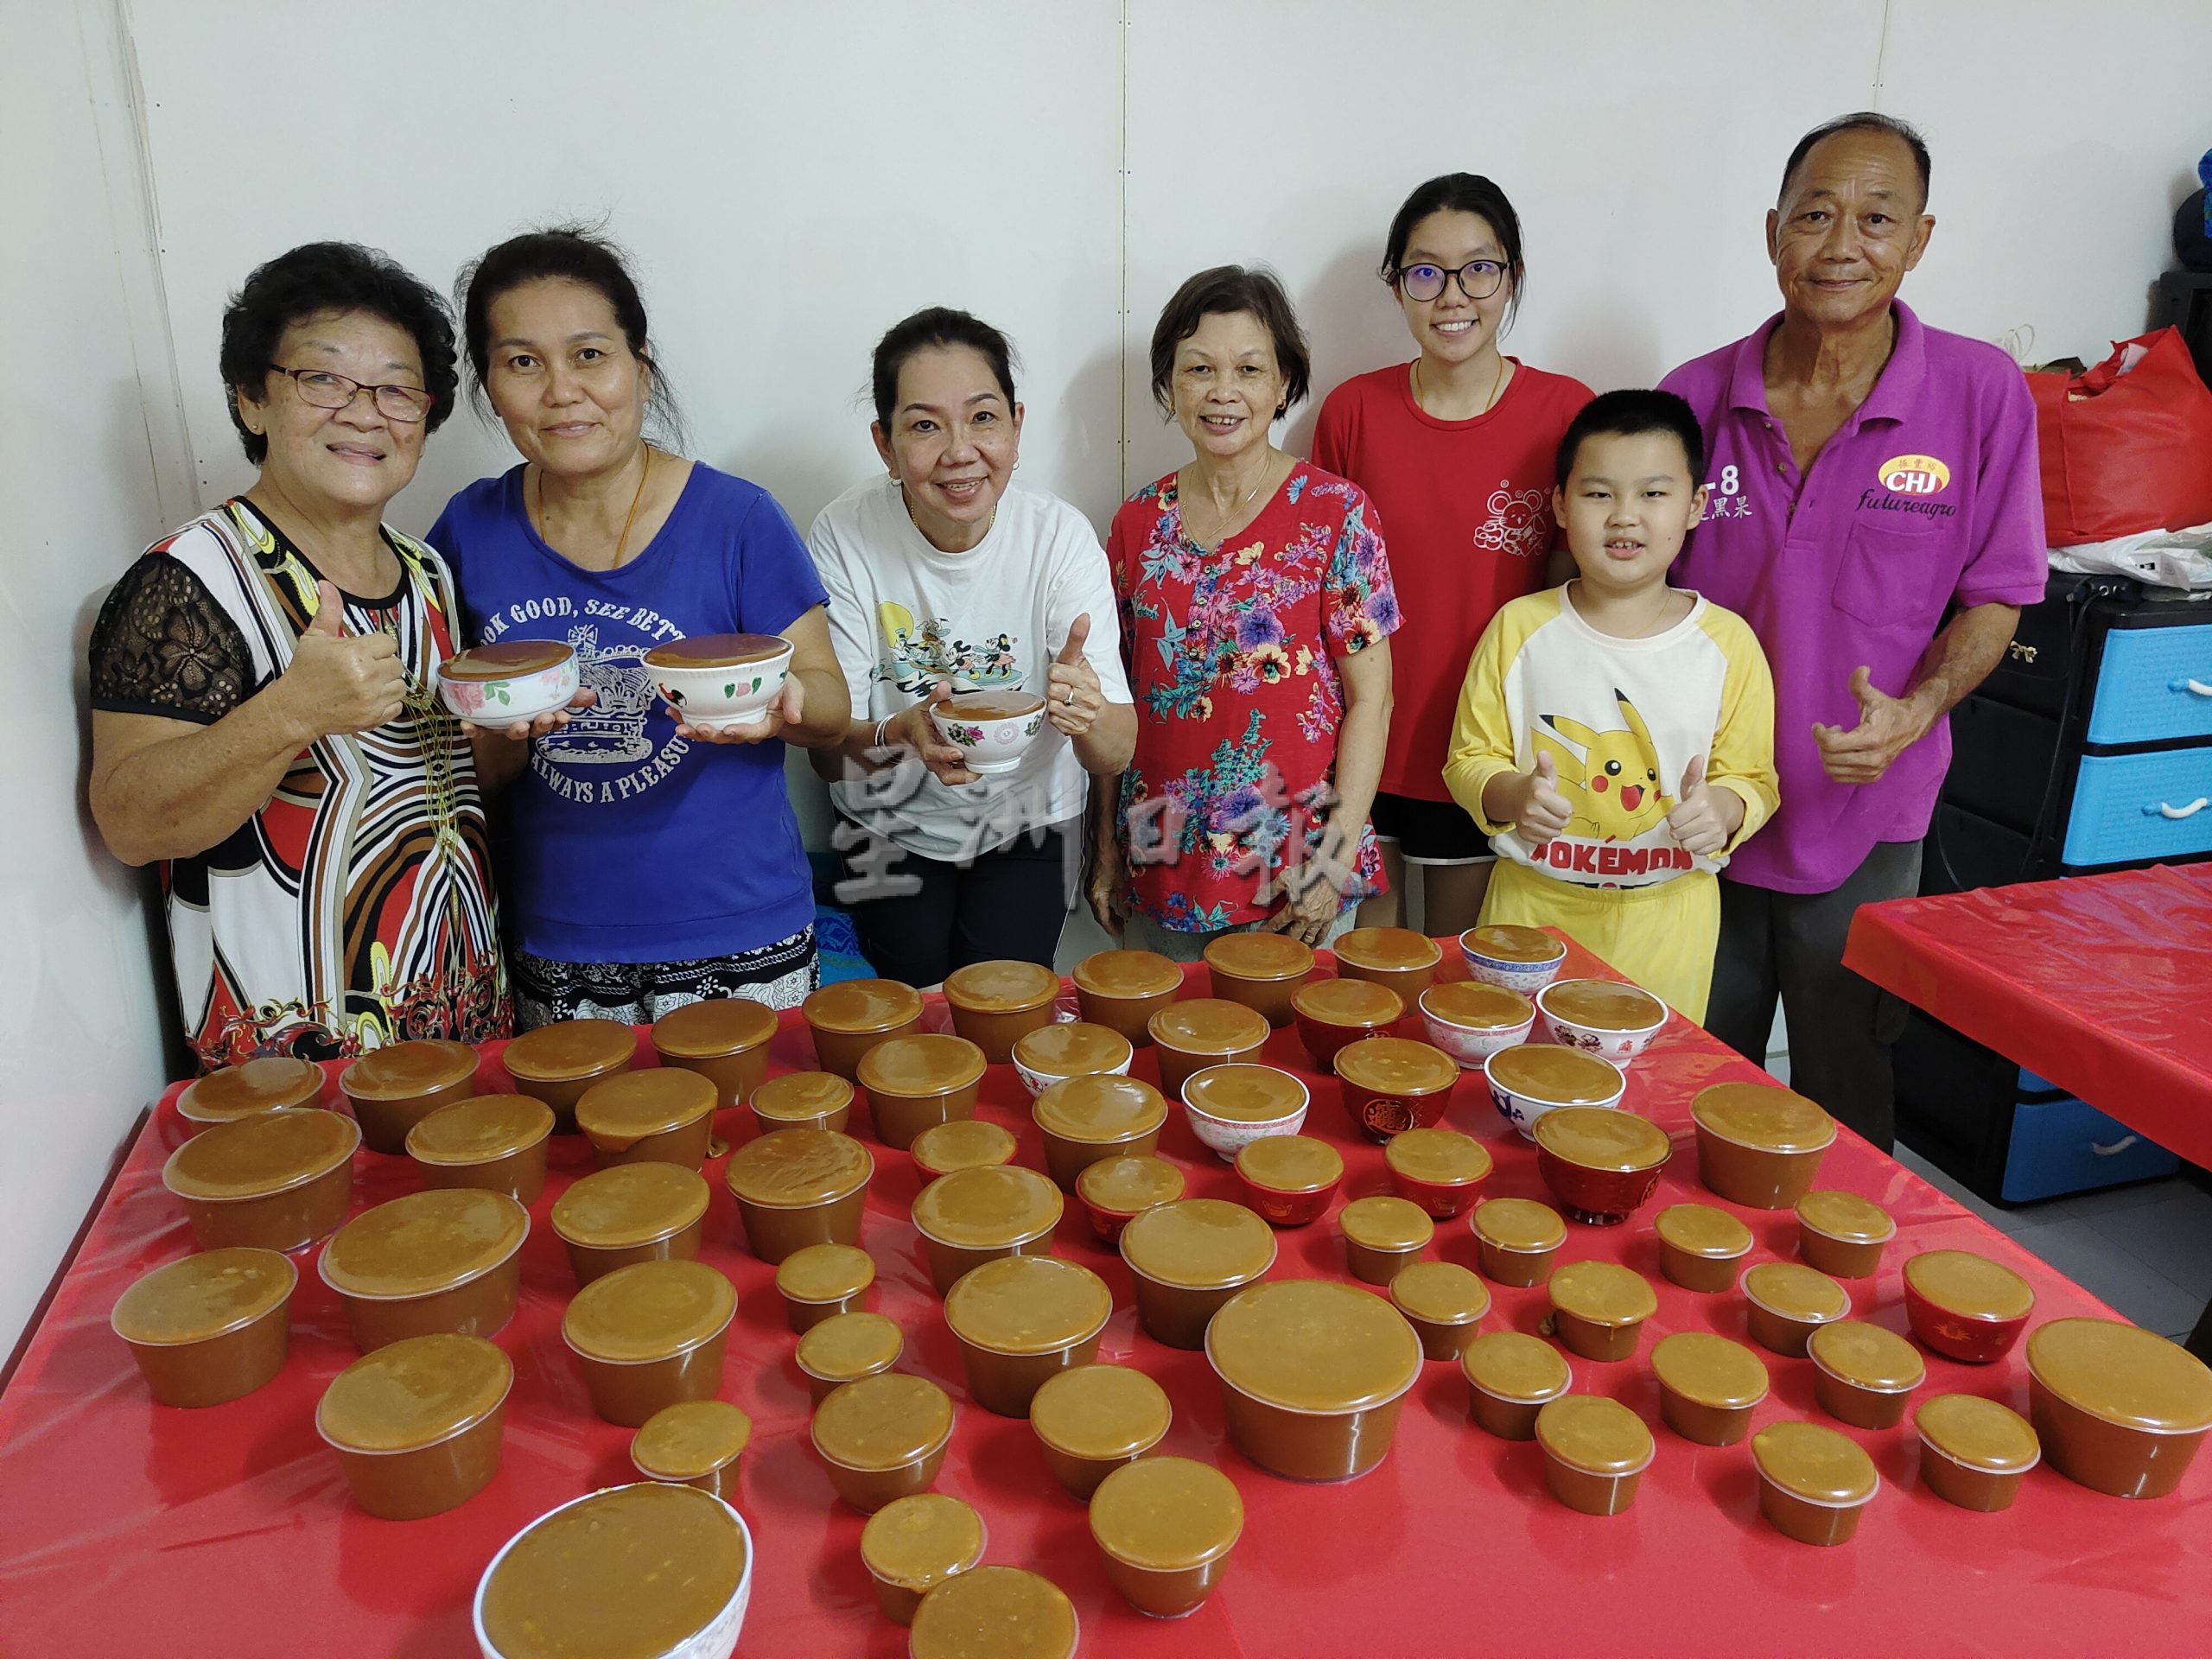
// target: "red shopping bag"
[[2126, 447]]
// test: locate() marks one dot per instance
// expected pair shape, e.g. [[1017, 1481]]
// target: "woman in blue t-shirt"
[[654, 863]]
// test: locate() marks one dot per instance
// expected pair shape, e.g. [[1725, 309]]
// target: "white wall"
[[794, 177]]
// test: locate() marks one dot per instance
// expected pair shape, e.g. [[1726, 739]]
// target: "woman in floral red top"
[[1255, 605]]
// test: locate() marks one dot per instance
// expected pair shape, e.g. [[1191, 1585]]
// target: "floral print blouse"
[[1230, 655]]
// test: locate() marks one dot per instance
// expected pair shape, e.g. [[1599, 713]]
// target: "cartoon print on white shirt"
[[918, 654]]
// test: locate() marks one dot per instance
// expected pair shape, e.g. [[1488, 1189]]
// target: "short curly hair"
[[1224, 290], [323, 277]]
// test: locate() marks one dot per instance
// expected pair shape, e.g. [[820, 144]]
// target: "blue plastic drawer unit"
[[2065, 1146], [2128, 808], [2155, 685]]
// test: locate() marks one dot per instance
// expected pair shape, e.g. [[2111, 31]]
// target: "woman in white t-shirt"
[[945, 578]]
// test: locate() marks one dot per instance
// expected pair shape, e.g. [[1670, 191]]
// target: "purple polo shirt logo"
[[1910, 484]]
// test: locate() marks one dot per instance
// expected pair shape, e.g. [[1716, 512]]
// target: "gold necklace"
[[1266, 473], [629, 518], [1489, 397]]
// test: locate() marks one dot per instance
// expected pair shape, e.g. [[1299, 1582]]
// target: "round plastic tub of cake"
[[557, 1063], [1399, 959], [1165, 1527], [916, 1083], [1759, 1144], [631, 1213], [1516, 1240], [912, 1545], [1091, 1420], [1199, 1032], [394, 1087], [1841, 1234], [975, 1215], [851, 1017], [649, 1337], [821, 1281], [448, 1259], [1313, 1375], [1814, 1483], [1123, 989], [269, 1083], [1595, 1452], [723, 1038], [1023, 1318], [965, 1143], [1700, 1248], [1599, 1308], [803, 1100], [1707, 1386], [1086, 1119], [694, 1443], [1510, 1378], [846, 1347], [798, 1187], [1444, 1302], [1188, 1258], [995, 1613], [211, 1328], [1785, 1302], [274, 1181], [1974, 1452], [418, 1424], [1863, 1374], [1382, 1237], [882, 1438], [662, 1115], [497, 1143], [1262, 971], [995, 1003], [2117, 1409]]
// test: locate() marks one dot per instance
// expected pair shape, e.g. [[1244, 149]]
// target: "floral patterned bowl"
[[1524, 959], [992, 729], [514, 679], [721, 681], [1603, 1017], [1229, 1107]]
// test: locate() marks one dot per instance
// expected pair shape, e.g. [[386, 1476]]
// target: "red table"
[[2101, 983], [127, 1528]]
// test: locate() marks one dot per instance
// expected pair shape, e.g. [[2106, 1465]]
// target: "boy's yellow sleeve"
[[1482, 732], [1743, 748]]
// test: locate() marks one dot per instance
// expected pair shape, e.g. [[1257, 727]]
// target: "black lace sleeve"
[[163, 646]]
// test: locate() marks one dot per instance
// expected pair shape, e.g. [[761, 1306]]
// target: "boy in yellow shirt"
[[1615, 737]]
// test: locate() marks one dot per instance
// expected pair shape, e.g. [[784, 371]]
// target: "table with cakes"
[[1419, 1296]]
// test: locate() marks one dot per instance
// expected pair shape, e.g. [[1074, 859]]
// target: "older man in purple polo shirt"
[[1875, 515]]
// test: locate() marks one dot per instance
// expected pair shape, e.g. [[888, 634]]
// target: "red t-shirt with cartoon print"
[[1468, 504]]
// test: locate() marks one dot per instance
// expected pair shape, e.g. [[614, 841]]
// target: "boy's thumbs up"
[[1078, 631], [330, 619], [1693, 776]]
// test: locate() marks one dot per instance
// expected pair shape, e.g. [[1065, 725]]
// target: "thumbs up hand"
[[1887, 726], [1704, 817], [1072, 696], [340, 682], [1540, 810]]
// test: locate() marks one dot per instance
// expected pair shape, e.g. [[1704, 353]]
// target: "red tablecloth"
[[2101, 983], [127, 1528]]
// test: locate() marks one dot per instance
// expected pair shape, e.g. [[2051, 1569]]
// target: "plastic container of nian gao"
[[1516, 1240], [1189, 1257], [1444, 1302], [417, 1425], [1595, 1452], [821, 1281], [1313, 1375], [1758, 1143], [1086, 1119], [1397, 958], [723, 1038], [798, 1187], [916, 1083], [649, 1337], [557, 1063], [1974, 1452], [1813, 1481], [846, 1347], [1091, 1420], [995, 1613], [447, 1260], [1862, 1374], [1599, 1308], [852, 1016], [913, 1544], [1021, 1319], [803, 1100], [1700, 1248], [697, 1443], [663, 1115], [268, 1084], [1382, 1235], [274, 1181], [1707, 1386], [1123, 989], [1200, 1032], [1842, 1235], [1785, 1302], [975, 1215], [882, 1438], [995, 1003], [495, 1142], [211, 1328], [2117, 1409], [633, 1212], [1261, 970], [1165, 1527], [965, 1143], [394, 1087], [1510, 1378]]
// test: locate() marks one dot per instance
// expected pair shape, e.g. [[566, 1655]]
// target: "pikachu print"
[[1612, 777]]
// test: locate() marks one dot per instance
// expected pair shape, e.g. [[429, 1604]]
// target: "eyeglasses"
[[1479, 279], [327, 391]]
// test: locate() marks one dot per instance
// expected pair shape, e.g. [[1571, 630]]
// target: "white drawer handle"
[[2116, 1147], [2163, 811], [2194, 688]]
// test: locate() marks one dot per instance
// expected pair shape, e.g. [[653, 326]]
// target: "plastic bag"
[[2127, 446]]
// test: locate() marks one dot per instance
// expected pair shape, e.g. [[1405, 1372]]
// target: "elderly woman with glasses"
[[264, 719]]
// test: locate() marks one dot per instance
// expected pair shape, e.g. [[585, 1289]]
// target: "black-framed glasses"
[[1479, 279], [327, 391]]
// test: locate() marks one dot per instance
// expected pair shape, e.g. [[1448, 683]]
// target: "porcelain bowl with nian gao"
[[1966, 1306], [557, 1063], [1441, 1170], [1262, 971], [1313, 1375], [722, 681], [1021, 1319], [1391, 1084], [979, 1215], [649, 1337], [996, 1004], [1330, 1013], [1114, 1190], [631, 1213], [1603, 1163], [1759, 1144], [803, 1100], [798, 1187], [275, 1181], [1189, 1257], [1289, 1180], [1229, 1107], [723, 1038], [394, 1087], [1069, 1048], [1123, 989], [664, 1115], [1165, 1527], [1530, 1080], [1086, 1119], [1093, 1420], [497, 1142], [912, 1545], [418, 1424], [511, 680], [1398, 958], [592, 1577], [446, 1260], [853, 1015], [1603, 1017], [1470, 1020], [693, 1443], [268, 1083], [1199, 1031], [992, 730], [2119, 1410], [1524, 959], [211, 1328], [916, 1082]]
